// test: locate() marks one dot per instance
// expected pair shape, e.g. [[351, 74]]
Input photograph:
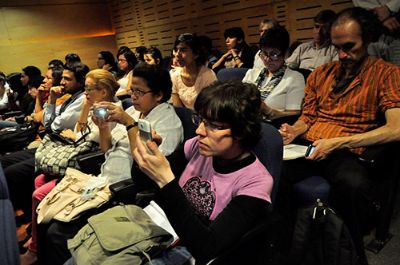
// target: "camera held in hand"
[[101, 113]]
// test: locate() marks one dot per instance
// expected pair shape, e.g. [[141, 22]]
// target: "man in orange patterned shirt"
[[348, 106]]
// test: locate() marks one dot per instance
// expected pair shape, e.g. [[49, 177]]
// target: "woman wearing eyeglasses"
[[150, 90], [100, 85], [282, 89], [224, 188], [193, 75]]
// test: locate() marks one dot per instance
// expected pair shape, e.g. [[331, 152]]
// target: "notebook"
[[293, 151]]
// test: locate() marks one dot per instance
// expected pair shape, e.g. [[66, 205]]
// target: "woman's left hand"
[[152, 162]]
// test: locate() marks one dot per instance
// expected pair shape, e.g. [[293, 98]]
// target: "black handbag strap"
[[57, 137]]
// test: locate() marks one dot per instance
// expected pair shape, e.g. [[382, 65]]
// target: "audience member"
[[3, 93], [224, 189], [239, 54], [52, 78], [153, 55], [55, 63], [106, 61], [174, 63], [73, 82], [19, 99], [388, 12], [33, 86], [349, 105], [100, 85], [319, 51], [282, 89], [72, 58], [19, 167], [15, 90], [126, 62], [264, 26], [150, 91], [207, 47], [193, 76], [139, 53]]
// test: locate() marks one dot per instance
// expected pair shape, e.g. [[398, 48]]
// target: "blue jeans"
[[4, 124], [176, 256]]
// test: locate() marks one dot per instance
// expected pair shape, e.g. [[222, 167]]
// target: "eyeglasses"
[[89, 89], [209, 125], [138, 93], [271, 55]]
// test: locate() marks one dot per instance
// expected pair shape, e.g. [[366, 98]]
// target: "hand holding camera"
[[111, 112]]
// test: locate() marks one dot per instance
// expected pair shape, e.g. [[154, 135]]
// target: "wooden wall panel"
[[34, 32], [302, 12], [158, 22]]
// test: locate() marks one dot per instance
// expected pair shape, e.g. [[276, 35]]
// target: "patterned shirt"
[[209, 191], [359, 108]]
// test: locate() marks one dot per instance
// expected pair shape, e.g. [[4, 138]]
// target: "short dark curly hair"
[[157, 79], [236, 104], [276, 37]]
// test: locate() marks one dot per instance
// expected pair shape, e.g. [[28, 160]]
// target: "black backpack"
[[321, 238]]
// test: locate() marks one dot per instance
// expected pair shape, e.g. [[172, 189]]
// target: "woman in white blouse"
[[282, 89]]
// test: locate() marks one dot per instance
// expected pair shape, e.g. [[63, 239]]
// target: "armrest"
[[377, 153], [90, 163], [12, 114], [289, 119], [128, 192]]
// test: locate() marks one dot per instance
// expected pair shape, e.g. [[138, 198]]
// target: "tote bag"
[[56, 153], [69, 198]]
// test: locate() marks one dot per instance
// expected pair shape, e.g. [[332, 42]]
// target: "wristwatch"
[[130, 126]]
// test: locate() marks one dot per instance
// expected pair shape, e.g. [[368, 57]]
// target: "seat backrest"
[[189, 128], [229, 74], [126, 103], [269, 151], [9, 252]]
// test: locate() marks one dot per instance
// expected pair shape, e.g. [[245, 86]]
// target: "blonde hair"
[[103, 79]]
